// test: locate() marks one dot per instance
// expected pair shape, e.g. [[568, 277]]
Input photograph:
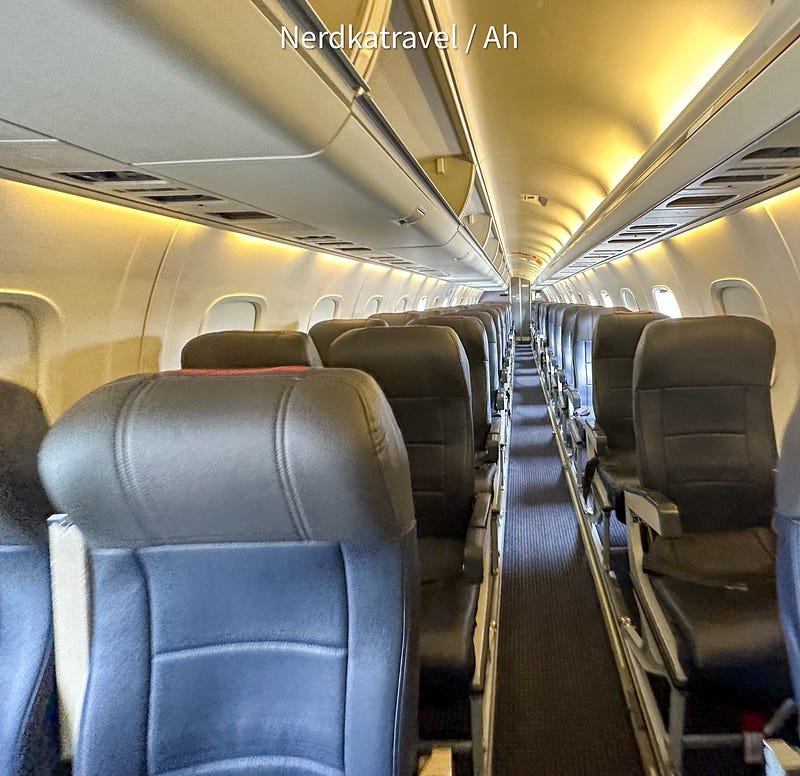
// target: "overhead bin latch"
[[410, 220]]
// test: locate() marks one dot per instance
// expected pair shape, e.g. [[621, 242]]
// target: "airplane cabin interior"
[[400, 388]]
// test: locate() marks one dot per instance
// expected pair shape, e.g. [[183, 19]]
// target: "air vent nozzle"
[[779, 152], [172, 198], [241, 215], [706, 201], [111, 176]]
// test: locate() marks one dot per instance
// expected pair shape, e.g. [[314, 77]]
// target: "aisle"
[[560, 709]]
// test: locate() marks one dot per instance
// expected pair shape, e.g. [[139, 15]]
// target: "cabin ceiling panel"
[[588, 90]]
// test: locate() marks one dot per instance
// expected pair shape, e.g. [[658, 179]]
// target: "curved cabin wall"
[[113, 291], [760, 245]]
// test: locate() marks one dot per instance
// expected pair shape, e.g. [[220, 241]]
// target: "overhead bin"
[[207, 98]]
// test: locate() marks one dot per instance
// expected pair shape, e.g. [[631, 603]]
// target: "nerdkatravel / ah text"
[[347, 38]]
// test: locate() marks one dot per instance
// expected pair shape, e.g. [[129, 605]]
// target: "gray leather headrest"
[[24, 507], [787, 481], [586, 320], [616, 336], [397, 319], [470, 331], [488, 324], [440, 363], [707, 351], [325, 332], [249, 350], [180, 458]]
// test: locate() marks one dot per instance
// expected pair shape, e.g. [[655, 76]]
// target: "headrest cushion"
[[182, 458], [249, 350]]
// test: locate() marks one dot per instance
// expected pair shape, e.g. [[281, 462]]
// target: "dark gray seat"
[[613, 349], [493, 341], [249, 350], [424, 373], [472, 336], [580, 343], [397, 319], [28, 727], [325, 332], [255, 581], [706, 449], [565, 361]]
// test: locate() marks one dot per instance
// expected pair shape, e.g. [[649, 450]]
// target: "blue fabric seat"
[[28, 726], [255, 574]]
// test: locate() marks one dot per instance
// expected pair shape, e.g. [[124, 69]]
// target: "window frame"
[[659, 290]]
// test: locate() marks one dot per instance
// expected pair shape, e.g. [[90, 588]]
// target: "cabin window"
[[373, 305], [590, 299], [422, 303], [606, 299], [435, 301], [401, 305], [629, 300], [324, 310], [733, 296], [580, 297], [19, 346], [231, 314], [665, 302]]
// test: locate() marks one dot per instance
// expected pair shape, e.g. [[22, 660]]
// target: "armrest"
[[493, 442], [655, 510], [596, 439], [500, 400], [476, 542], [572, 401]]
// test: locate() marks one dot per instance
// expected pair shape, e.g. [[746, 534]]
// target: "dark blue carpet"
[[560, 709]]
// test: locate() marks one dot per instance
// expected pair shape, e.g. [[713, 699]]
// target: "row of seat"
[[682, 447], [173, 479]]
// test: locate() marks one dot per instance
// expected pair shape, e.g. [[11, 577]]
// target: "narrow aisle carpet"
[[560, 707]]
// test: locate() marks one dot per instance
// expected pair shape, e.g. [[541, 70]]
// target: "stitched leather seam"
[[122, 464], [280, 459]]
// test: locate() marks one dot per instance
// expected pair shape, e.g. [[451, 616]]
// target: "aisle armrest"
[[478, 538], [596, 439], [655, 510], [493, 441]]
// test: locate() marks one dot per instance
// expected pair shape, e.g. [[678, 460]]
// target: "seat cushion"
[[729, 639], [447, 623], [719, 559]]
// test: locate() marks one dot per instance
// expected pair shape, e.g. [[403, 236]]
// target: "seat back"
[[567, 337], [554, 328], [787, 526], [254, 570], [703, 419], [325, 332], [613, 347], [28, 728], [579, 343], [424, 373], [472, 335], [500, 325], [249, 350], [493, 343], [544, 313], [397, 319]]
